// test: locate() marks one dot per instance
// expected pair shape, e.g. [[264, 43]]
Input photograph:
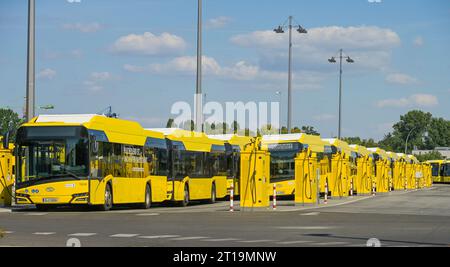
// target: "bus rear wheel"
[[148, 198]]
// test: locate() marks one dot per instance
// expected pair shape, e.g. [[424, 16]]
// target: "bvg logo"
[[50, 189]]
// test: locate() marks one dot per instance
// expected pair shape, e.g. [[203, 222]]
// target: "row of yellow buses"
[[99, 161], [308, 167], [440, 170]]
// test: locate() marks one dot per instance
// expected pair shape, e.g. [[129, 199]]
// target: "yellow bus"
[[284, 151], [234, 145], [198, 166], [99, 161], [437, 170], [89, 160], [343, 167]]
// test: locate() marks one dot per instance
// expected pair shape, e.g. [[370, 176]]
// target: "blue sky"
[[139, 57]]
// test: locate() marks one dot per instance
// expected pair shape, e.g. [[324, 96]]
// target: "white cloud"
[[101, 76], [417, 100], [83, 27], [240, 71], [46, 74], [149, 44], [324, 117], [370, 46], [401, 79], [97, 80], [419, 41], [218, 22]]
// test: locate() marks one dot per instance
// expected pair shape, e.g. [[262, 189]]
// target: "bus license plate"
[[49, 200]]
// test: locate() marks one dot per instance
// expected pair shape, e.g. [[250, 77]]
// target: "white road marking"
[[7, 232], [124, 235], [159, 236], [82, 234], [294, 242], [330, 244], [256, 241], [35, 214], [189, 238], [220, 240], [44, 233], [306, 227], [311, 214], [147, 214]]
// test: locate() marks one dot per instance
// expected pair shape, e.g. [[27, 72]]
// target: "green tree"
[[170, 123], [430, 156], [9, 120], [438, 134], [310, 130]]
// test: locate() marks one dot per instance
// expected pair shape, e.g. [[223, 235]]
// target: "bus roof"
[[233, 139], [436, 161], [340, 144], [314, 142], [193, 141], [381, 152], [117, 130], [413, 158], [393, 155], [361, 150]]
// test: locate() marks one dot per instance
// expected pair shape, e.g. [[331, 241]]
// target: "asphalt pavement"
[[413, 219]]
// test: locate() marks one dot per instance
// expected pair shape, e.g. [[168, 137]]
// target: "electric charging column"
[[255, 178]]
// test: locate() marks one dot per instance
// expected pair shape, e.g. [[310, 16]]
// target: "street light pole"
[[407, 139], [289, 122], [30, 90], [300, 30], [340, 96], [333, 60], [199, 92]]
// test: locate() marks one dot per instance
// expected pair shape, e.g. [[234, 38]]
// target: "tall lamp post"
[[30, 92], [300, 30], [199, 91], [333, 60]]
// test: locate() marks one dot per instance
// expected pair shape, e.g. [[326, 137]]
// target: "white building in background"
[[444, 151]]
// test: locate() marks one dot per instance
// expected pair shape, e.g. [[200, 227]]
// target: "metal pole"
[[407, 139], [290, 78], [30, 98], [340, 96], [199, 93]]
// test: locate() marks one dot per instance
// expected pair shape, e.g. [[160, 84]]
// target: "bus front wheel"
[[185, 201], [108, 201], [213, 198], [148, 198]]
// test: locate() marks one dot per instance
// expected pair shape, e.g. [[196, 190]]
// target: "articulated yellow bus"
[[99, 161], [440, 171], [234, 145], [289, 153], [343, 167], [89, 160], [198, 166]]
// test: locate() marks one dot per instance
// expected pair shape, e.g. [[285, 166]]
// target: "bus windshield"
[[51, 157], [435, 169], [446, 170]]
